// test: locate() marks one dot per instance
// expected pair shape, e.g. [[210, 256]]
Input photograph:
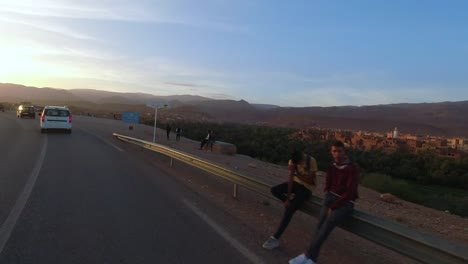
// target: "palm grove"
[[423, 178]]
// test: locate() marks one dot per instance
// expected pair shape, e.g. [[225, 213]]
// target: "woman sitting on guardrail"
[[341, 192], [294, 192]]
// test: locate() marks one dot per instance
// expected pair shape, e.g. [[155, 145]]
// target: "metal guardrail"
[[417, 245]]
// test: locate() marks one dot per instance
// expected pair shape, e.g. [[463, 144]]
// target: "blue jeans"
[[327, 223]]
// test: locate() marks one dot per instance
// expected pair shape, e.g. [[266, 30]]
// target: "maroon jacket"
[[343, 181]]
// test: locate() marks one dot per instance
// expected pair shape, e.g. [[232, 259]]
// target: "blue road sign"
[[131, 117]]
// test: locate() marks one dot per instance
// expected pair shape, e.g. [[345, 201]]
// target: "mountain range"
[[439, 119]]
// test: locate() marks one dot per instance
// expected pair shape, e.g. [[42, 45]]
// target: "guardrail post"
[[234, 193]]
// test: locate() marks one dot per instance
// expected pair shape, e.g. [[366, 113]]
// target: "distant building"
[[455, 143], [395, 132], [413, 137]]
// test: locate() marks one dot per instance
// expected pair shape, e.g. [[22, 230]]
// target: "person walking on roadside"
[[168, 131], [211, 141], [205, 140], [294, 192], [341, 190], [178, 131]]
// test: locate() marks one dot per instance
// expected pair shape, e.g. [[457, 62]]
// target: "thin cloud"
[[182, 84], [121, 73], [44, 26], [74, 11], [195, 87], [114, 11]]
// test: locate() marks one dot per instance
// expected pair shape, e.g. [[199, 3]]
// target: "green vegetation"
[[423, 168], [440, 183], [437, 197], [264, 143], [386, 184]]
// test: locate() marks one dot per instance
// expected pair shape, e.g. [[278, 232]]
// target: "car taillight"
[[43, 118], [70, 119]]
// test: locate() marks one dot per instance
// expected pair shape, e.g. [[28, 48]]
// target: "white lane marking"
[[224, 234], [7, 227], [103, 139], [111, 144]]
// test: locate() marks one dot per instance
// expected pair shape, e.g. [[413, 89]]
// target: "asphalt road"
[[76, 198]]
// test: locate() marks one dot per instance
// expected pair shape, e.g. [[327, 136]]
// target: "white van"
[[56, 117]]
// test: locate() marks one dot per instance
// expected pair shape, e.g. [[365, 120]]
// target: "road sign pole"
[[156, 106], [155, 119]]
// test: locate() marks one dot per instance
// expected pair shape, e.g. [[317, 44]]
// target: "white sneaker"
[[271, 243], [301, 259]]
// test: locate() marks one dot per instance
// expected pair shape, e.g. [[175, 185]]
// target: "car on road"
[[56, 118], [25, 111]]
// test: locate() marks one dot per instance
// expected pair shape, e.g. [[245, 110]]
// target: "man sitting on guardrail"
[[341, 192], [205, 140], [294, 192]]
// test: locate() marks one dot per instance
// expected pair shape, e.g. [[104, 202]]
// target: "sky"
[[287, 53]]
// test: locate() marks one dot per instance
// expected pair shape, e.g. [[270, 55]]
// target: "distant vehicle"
[[56, 118], [25, 111]]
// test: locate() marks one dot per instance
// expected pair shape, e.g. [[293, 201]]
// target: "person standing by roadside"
[[294, 192], [341, 190]]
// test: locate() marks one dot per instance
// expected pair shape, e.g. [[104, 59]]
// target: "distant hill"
[[265, 106], [15, 93], [444, 119], [440, 119], [99, 96], [230, 110]]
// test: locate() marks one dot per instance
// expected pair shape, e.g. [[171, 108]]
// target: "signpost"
[[156, 106], [131, 117]]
